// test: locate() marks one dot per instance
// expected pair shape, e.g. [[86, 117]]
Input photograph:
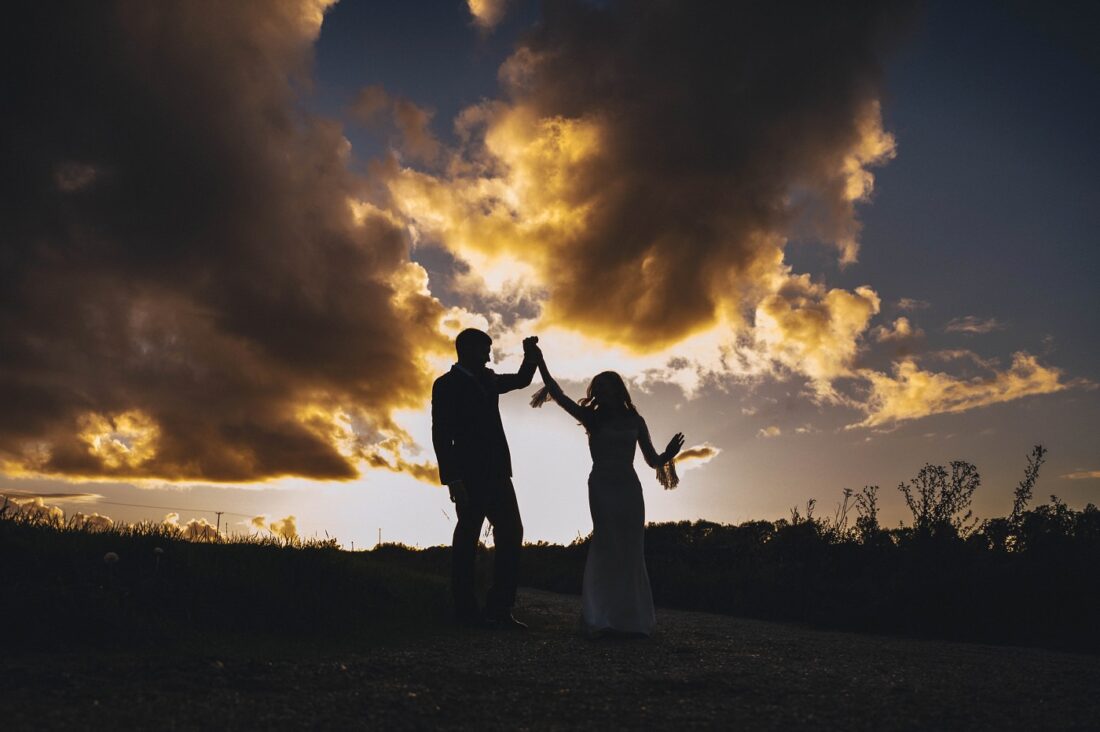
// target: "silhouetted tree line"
[[1032, 577]]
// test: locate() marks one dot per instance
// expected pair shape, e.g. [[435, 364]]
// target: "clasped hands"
[[531, 349]]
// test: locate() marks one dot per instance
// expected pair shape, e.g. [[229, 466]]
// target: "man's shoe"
[[504, 622]]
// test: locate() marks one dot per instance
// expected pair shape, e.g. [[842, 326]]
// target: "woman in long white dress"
[[616, 597]]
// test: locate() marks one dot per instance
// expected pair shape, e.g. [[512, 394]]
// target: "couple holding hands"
[[475, 465]]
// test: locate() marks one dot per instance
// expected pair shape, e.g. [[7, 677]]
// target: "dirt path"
[[700, 670]]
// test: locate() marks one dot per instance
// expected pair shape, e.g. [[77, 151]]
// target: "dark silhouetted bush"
[[1030, 578]]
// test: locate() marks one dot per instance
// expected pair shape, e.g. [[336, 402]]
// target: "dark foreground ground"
[[700, 670]]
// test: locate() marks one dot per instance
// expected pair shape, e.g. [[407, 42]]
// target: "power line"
[[177, 508]]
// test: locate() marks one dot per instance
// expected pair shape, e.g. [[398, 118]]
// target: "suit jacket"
[[466, 429]]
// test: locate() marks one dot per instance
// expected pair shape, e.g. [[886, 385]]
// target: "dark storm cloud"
[[713, 114], [376, 108], [667, 150], [185, 292]]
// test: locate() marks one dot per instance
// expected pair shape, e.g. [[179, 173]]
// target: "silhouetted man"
[[475, 465]]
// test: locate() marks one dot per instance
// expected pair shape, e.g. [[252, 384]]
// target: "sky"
[[828, 247]]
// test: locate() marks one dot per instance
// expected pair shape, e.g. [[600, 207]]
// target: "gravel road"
[[699, 670]]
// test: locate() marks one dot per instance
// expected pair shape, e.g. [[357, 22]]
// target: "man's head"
[[473, 347]]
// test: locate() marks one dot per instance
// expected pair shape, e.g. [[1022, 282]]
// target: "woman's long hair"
[[615, 401], [615, 398]]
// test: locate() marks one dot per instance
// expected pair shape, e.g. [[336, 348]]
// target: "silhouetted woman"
[[616, 596]]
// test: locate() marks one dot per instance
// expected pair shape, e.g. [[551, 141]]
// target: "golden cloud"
[[1083, 475], [815, 331], [704, 453], [123, 441], [34, 509], [644, 219], [199, 530], [649, 194], [487, 13], [697, 456], [222, 274], [633, 188], [973, 325], [285, 528], [901, 330], [910, 304], [93, 522], [641, 183], [911, 392]]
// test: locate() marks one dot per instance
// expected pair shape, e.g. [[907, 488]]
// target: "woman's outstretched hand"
[[674, 446]]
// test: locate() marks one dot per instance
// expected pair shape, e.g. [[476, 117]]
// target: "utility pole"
[[218, 530], [379, 536]]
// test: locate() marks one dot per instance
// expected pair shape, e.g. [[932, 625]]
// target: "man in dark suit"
[[476, 466]]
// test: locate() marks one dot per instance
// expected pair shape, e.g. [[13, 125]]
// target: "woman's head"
[[608, 393]]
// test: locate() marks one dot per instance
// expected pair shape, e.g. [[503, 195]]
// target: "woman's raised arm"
[[552, 390]]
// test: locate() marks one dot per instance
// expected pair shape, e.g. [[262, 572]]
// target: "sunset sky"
[[238, 239]]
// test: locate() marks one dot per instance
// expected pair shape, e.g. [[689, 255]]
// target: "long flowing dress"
[[616, 596]]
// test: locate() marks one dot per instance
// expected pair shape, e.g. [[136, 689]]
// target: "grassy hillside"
[[144, 584], [1032, 577]]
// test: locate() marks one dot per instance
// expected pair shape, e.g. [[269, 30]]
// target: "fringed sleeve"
[[666, 475], [540, 397]]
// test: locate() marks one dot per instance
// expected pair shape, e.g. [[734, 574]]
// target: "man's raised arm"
[[522, 378]]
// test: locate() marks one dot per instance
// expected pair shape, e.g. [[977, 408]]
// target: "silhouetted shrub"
[[938, 497], [1032, 577]]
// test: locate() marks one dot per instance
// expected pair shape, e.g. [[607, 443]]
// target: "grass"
[[144, 584], [1032, 577]]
